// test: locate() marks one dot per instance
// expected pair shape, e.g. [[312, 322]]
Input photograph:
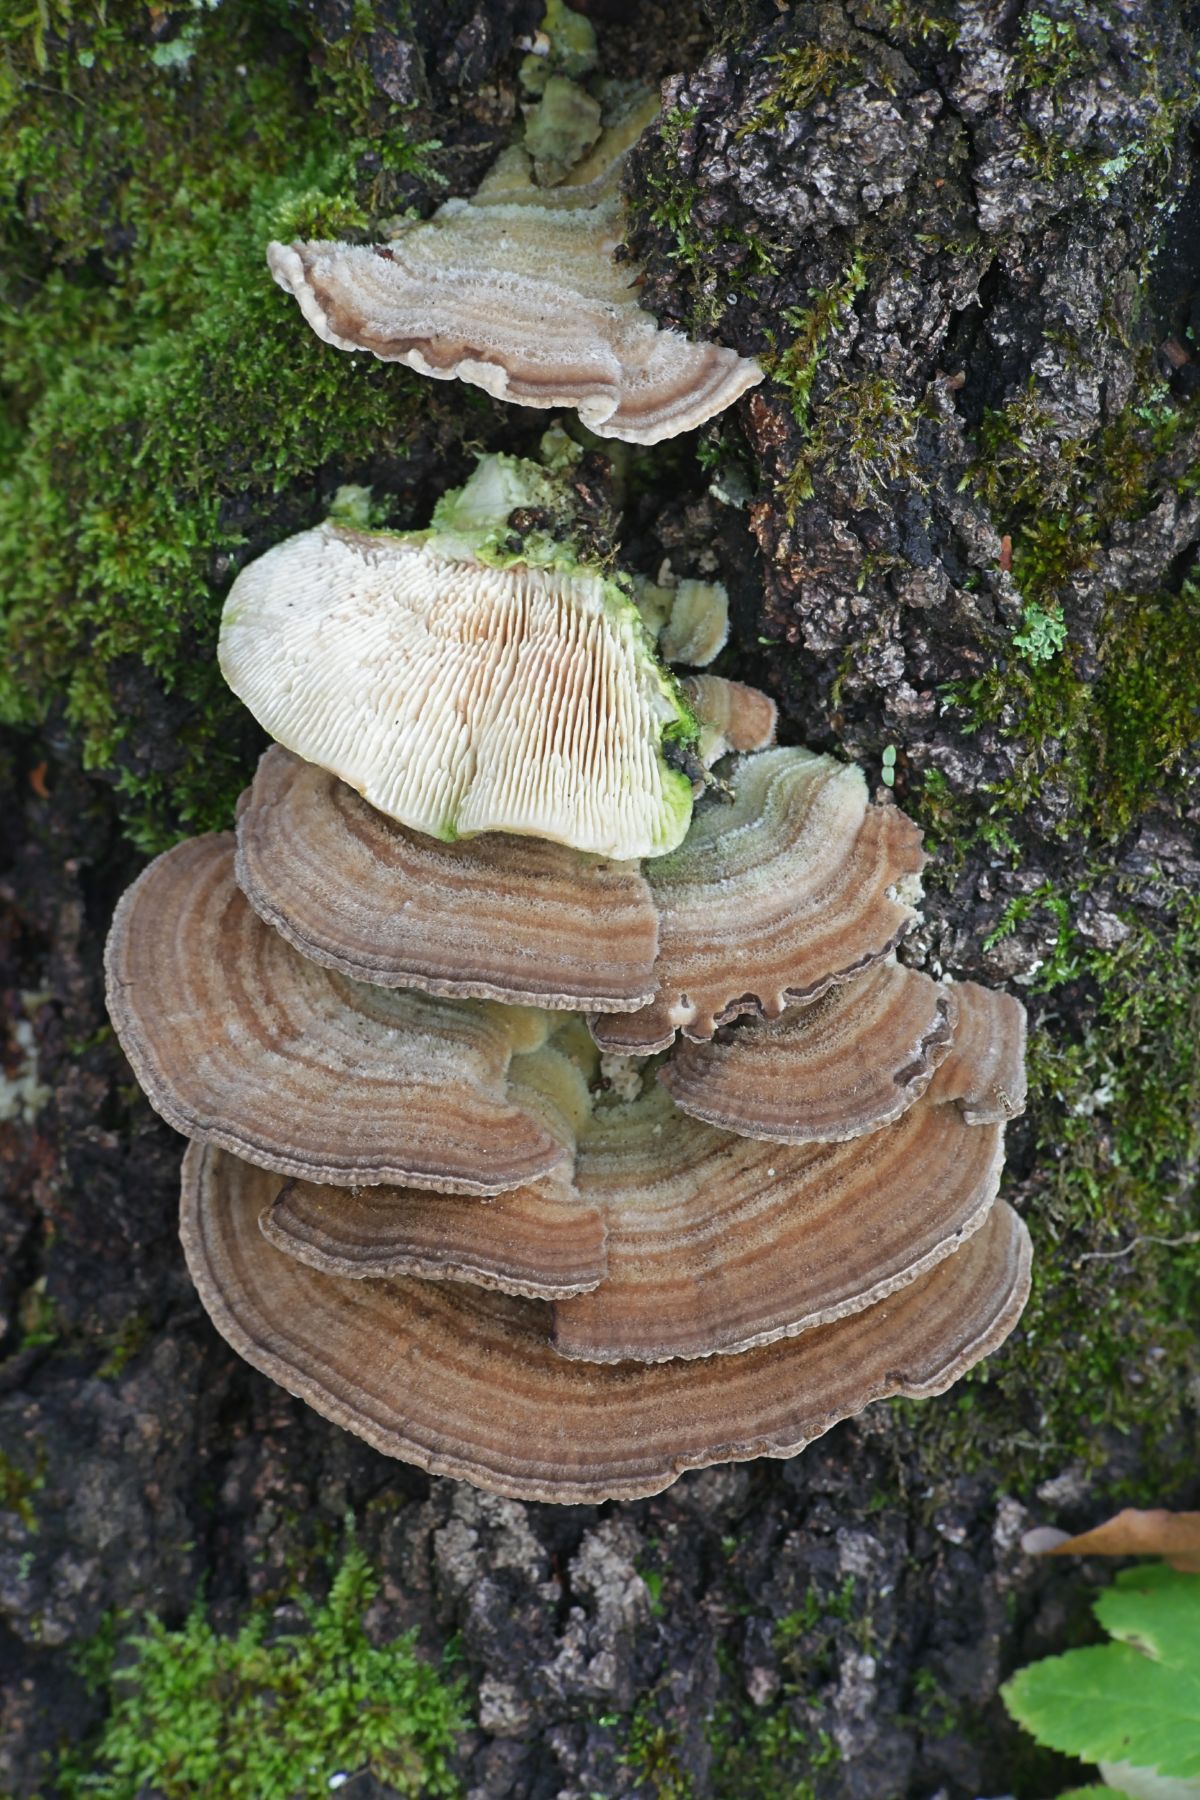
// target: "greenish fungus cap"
[[560, 129], [518, 291], [462, 685]]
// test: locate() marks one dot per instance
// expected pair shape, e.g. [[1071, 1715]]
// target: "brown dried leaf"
[[1175, 1536]]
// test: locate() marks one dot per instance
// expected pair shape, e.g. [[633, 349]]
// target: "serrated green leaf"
[[1136, 1700], [1094, 1793]]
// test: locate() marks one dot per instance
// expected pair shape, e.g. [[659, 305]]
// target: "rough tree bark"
[[961, 517]]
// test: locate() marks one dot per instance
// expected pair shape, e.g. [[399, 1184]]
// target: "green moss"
[[1117, 737], [870, 429], [1049, 51], [1108, 1342], [261, 1716], [19, 1485], [817, 1610], [760, 1753], [669, 200], [757, 1753], [651, 1755], [124, 1344], [802, 74], [164, 393], [1052, 55], [794, 365]]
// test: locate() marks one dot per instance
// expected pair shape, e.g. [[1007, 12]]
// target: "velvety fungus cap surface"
[[464, 1382], [497, 916], [239, 1041]]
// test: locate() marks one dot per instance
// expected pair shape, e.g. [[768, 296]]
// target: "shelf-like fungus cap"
[[717, 1243], [985, 1071], [689, 619], [495, 917], [465, 1383], [794, 885], [731, 716], [539, 1240], [840, 1067], [461, 697], [239, 1041], [519, 292]]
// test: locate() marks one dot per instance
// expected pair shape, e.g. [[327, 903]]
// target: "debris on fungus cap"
[[494, 917], [461, 688], [518, 291], [466, 1383], [540, 1240], [731, 716], [239, 1041], [841, 1066], [718, 1243], [794, 885]]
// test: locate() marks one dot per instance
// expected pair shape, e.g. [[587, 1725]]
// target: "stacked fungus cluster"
[[560, 1115]]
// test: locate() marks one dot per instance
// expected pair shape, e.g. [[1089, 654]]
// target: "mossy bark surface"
[[960, 524]]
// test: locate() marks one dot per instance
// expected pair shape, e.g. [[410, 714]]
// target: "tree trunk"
[[960, 524]]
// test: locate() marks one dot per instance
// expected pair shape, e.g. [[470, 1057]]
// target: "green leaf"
[[1136, 1700]]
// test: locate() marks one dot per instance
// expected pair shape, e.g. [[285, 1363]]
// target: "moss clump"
[[720, 262], [162, 395], [794, 365], [19, 1486], [803, 73], [259, 1717], [1108, 1342], [870, 429], [1118, 736]]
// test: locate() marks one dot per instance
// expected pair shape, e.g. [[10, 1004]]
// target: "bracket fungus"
[[462, 689], [796, 884], [454, 1227], [782, 889], [465, 1382], [239, 1041], [494, 917], [518, 291]]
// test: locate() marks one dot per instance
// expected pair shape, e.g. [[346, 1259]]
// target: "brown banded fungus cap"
[[717, 1243], [464, 1382], [459, 689], [731, 716], [239, 1041], [841, 1066], [985, 1071], [495, 917], [793, 886], [540, 1240], [518, 291]]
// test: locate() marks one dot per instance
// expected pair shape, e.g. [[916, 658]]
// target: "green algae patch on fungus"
[[159, 397], [462, 686]]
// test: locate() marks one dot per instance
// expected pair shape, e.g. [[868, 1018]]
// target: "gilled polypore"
[[564, 1174]]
